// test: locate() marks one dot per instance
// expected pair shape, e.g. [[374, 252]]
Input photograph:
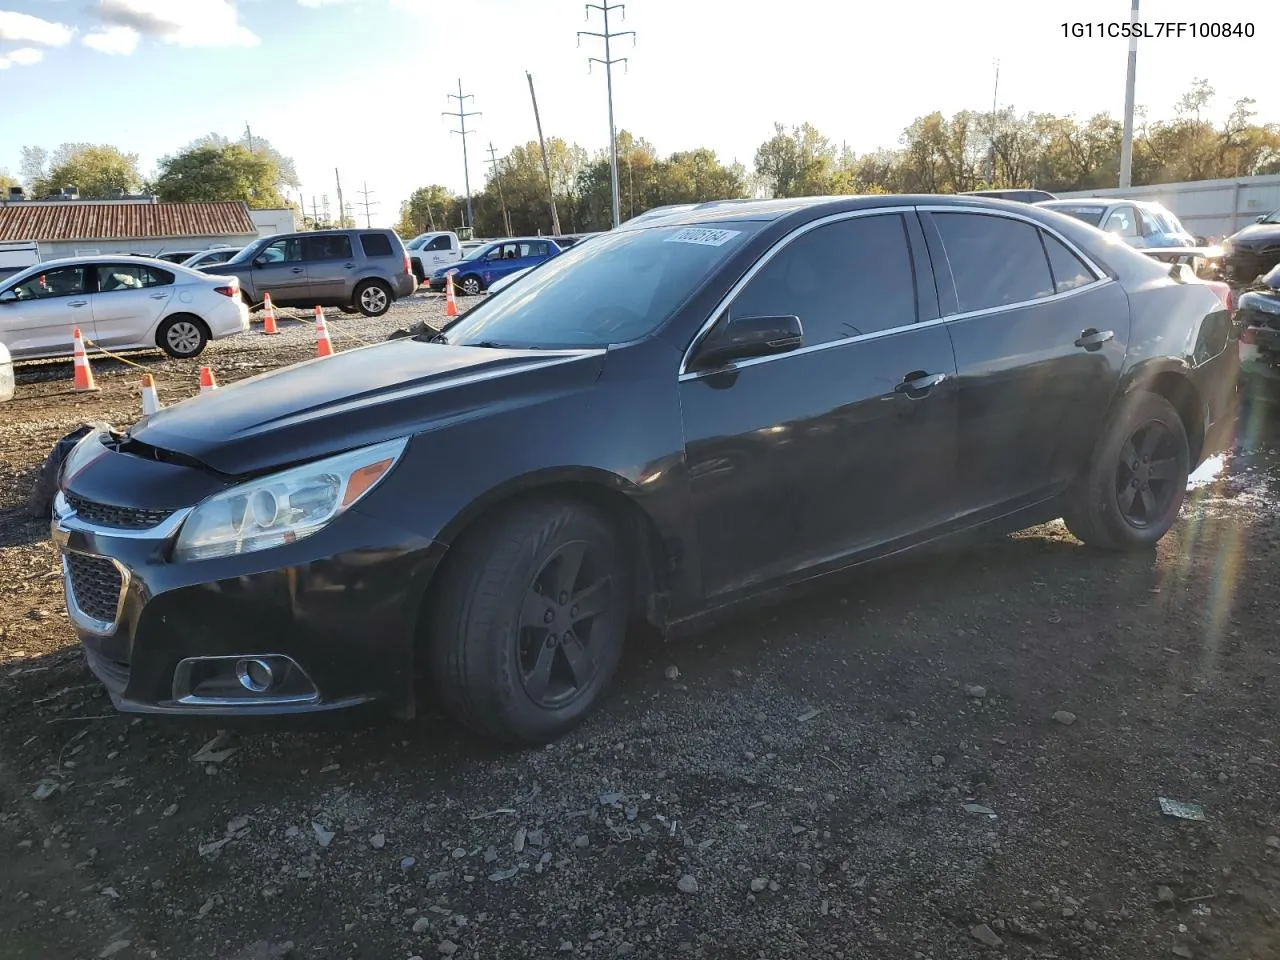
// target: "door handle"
[[297, 269], [1092, 339], [919, 382], [159, 296], [77, 303], [349, 266]]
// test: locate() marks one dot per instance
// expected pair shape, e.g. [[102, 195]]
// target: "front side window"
[[1069, 271], [329, 247], [286, 250], [1123, 222], [439, 243], [844, 279], [63, 282], [120, 276], [995, 261]]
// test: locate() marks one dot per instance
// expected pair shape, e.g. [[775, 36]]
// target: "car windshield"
[[1090, 215], [473, 254], [619, 287], [417, 242], [1272, 217], [249, 252]]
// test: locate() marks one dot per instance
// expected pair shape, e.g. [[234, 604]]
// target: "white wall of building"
[[273, 221]]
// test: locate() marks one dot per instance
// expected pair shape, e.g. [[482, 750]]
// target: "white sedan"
[[120, 303]]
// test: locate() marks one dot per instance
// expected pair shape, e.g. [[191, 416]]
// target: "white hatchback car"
[[120, 303]]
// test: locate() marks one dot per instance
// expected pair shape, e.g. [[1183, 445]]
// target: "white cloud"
[[324, 3], [184, 23], [25, 28], [25, 56], [418, 7], [117, 41]]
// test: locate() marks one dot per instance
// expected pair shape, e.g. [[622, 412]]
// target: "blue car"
[[494, 261]]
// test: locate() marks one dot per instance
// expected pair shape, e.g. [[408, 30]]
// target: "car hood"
[[1256, 234], [359, 397]]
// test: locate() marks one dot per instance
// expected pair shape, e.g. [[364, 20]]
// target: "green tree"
[[286, 171], [796, 163], [220, 173], [429, 208], [98, 171], [6, 182]]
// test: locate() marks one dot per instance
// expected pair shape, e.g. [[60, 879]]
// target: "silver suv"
[[357, 270]]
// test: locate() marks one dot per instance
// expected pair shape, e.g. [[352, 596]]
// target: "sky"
[[360, 85]]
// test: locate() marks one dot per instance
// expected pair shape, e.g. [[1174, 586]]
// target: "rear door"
[[280, 271], [802, 460], [129, 302], [331, 267], [1040, 338], [48, 307]]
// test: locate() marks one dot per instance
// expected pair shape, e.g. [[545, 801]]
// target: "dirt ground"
[[956, 757]]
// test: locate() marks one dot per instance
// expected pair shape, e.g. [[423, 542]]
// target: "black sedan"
[[1258, 318], [671, 420], [1253, 251]]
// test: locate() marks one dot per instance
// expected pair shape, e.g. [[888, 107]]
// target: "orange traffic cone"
[[208, 383], [150, 399], [268, 315], [84, 375], [324, 346], [450, 305]]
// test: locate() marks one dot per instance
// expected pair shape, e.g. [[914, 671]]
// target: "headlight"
[[285, 507], [1226, 247]]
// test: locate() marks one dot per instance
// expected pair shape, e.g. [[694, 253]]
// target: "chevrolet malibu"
[[675, 419]]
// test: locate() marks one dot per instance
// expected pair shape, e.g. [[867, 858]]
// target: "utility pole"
[[1126, 142], [248, 135], [497, 178], [991, 169], [342, 209], [366, 193], [462, 115], [546, 167], [608, 62]]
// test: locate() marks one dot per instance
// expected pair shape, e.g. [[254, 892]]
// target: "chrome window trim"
[[761, 262], [1101, 279]]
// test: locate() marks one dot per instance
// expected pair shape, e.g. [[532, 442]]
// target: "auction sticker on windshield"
[[703, 235]]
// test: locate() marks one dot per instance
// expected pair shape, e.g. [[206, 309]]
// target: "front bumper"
[[334, 615]]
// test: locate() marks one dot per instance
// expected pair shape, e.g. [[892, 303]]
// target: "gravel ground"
[[956, 757]]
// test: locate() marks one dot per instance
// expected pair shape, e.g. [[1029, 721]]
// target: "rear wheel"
[[182, 336], [526, 627], [1137, 478], [372, 298]]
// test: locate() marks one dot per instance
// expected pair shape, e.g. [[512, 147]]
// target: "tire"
[[372, 298], [1122, 502], [470, 285], [182, 336], [497, 662]]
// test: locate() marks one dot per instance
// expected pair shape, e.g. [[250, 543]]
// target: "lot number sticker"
[[706, 237]]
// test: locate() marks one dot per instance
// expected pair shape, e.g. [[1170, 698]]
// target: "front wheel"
[[470, 285], [526, 626], [182, 336], [1136, 480]]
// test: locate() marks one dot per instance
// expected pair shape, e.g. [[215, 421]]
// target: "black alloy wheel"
[[1147, 474], [557, 661]]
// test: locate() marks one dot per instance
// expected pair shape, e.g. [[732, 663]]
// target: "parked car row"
[[493, 261], [673, 420]]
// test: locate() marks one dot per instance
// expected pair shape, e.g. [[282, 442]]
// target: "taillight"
[[407, 268], [226, 291]]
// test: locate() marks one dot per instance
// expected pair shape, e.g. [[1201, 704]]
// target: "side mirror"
[[746, 337], [259, 261], [8, 297], [1260, 218]]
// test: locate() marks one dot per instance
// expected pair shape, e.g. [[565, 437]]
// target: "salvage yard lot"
[[789, 784]]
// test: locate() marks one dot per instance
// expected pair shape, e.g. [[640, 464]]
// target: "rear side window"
[[439, 243], [376, 244], [1069, 271], [129, 276], [844, 279], [534, 249], [329, 247], [1123, 222], [995, 261]]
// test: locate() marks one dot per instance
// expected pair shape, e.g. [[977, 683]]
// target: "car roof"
[[130, 259], [1082, 202]]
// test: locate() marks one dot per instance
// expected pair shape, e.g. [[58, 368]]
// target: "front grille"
[[1243, 265], [95, 586], [109, 515]]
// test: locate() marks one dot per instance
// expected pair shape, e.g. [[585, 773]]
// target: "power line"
[[608, 62], [366, 193], [462, 115], [497, 178]]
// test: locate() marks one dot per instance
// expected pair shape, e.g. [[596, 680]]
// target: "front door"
[[49, 306], [438, 252], [331, 267], [279, 270], [804, 459], [1040, 339], [130, 301]]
